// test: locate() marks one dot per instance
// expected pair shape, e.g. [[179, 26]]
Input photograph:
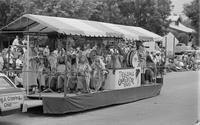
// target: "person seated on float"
[[46, 51], [61, 52], [9, 57], [83, 70], [16, 41], [15, 53], [53, 60], [87, 52], [18, 80], [19, 62], [15, 44], [108, 61], [73, 74], [116, 59], [50, 71], [97, 74], [150, 71], [24, 41], [42, 75], [61, 67], [142, 57]]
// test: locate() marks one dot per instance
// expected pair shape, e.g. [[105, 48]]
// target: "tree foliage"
[[149, 14], [9, 11], [191, 10], [183, 38]]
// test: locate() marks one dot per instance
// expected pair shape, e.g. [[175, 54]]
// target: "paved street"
[[177, 105]]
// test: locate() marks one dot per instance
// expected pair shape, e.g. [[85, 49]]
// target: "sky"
[[178, 5]]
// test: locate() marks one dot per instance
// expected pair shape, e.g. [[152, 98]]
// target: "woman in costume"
[[83, 69], [97, 74]]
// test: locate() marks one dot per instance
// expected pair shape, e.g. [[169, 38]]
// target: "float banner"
[[10, 101], [123, 78]]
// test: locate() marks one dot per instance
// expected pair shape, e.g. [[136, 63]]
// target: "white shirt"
[[15, 42], [24, 42], [1, 63], [18, 80], [18, 63], [46, 52], [10, 58]]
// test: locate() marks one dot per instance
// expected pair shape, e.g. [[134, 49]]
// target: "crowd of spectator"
[[187, 61], [12, 59]]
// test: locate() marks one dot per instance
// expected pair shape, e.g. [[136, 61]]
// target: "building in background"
[[177, 26]]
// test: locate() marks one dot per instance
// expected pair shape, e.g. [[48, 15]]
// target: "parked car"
[[11, 97]]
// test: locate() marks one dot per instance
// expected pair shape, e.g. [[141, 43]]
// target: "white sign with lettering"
[[123, 78], [11, 101]]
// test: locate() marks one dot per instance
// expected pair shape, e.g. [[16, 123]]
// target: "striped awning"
[[70, 26]]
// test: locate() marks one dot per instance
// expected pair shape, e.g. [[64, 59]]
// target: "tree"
[[183, 38], [149, 14], [9, 11], [62, 8], [107, 11], [192, 11]]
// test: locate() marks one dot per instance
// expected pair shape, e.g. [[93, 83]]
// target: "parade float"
[[123, 84]]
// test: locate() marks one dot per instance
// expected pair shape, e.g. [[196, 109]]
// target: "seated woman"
[[73, 75], [150, 71], [61, 74], [83, 70], [42, 75], [18, 80], [97, 74]]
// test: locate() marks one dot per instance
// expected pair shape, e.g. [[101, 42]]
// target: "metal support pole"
[[66, 72], [27, 71], [174, 47]]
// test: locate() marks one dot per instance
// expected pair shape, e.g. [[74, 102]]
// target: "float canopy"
[[69, 26]]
